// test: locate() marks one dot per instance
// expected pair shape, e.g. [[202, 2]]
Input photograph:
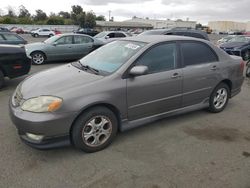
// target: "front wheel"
[[248, 70], [38, 58], [1, 79], [94, 130], [219, 98]]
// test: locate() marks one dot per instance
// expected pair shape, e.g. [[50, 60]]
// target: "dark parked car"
[[178, 31], [62, 47], [11, 38], [4, 29], [87, 31], [13, 62], [121, 85], [239, 46]]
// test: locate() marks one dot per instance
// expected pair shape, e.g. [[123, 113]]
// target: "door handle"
[[214, 68], [175, 75]]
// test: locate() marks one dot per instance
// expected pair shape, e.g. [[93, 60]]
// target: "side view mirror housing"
[[138, 70], [106, 37], [55, 43]]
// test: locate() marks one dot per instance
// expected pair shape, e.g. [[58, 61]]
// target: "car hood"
[[56, 81], [34, 45], [233, 44]]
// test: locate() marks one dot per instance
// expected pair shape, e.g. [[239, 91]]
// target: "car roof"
[[75, 34], [161, 38]]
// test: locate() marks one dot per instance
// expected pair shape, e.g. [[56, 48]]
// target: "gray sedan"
[[62, 47], [122, 85]]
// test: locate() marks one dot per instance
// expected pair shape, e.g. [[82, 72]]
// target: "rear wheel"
[[1, 79], [38, 58], [94, 130], [36, 35], [219, 98]]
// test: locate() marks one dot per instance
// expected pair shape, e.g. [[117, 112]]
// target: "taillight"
[[242, 66]]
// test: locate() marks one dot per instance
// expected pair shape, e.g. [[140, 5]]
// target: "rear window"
[[195, 53]]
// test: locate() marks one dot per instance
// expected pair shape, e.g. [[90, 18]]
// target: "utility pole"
[[109, 14]]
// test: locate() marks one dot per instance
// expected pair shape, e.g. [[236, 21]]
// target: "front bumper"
[[54, 127]]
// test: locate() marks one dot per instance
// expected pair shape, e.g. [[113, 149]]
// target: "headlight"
[[42, 104]]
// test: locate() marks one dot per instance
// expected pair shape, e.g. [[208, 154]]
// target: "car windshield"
[[151, 32], [240, 39], [101, 35], [51, 39], [112, 56]]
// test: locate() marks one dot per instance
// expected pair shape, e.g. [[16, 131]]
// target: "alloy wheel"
[[220, 98], [97, 131], [38, 58]]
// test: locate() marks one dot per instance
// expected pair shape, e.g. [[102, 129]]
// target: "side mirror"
[[106, 37], [55, 43], [138, 70]]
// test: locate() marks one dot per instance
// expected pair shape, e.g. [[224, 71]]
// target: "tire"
[[219, 98], [51, 35], [89, 134], [37, 58], [36, 35], [1, 79], [248, 70]]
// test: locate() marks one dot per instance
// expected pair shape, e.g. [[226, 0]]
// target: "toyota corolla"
[[122, 85]]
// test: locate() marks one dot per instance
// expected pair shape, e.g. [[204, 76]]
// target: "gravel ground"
[[198, 149]]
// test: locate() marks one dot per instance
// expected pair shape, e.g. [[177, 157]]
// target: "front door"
[[62, 50], [160, 90]]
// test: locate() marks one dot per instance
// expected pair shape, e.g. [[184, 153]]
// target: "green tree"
[[11, 12], [8, 20], [100, 18], [90, 20], [23, 12], [55, 20], [40, 15], [77, 15], [64, 15]]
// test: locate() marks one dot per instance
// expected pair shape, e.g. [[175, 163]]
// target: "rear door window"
[[111, 35], [194, 53]]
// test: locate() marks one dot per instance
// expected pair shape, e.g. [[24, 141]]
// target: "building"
[[159, 24], [226, 26], [110, 25]]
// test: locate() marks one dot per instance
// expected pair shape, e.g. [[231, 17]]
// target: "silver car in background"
[[62, 47], [122, 85]]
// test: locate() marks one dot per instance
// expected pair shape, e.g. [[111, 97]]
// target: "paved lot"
[[198, 149]]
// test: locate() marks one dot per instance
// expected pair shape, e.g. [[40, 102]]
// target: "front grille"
[[17, 98]]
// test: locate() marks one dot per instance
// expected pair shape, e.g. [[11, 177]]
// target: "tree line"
[[77, 16]]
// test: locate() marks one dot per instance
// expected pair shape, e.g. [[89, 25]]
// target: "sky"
[[201, 11]]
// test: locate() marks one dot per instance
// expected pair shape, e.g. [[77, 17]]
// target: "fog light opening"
[[34, 136]]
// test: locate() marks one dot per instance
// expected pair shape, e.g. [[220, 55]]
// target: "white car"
[[109, 36], [43, 33]]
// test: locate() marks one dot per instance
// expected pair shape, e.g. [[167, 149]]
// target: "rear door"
[[200, 71], [82, 45], [160, 90]]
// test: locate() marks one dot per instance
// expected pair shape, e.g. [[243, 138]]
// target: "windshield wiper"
[[85, 67]]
